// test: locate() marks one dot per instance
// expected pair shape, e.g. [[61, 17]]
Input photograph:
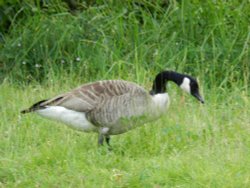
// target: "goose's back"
[[97, 95]]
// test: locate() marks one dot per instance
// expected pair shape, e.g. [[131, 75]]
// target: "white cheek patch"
[[186, 85]]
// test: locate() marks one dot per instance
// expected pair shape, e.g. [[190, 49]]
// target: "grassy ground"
[[192, 146], [47, 51]]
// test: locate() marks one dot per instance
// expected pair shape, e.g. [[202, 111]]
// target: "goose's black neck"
[[161, 79]]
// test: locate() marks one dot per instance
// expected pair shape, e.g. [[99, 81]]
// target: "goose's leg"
[[107, 139], [104, 134], [100, 139]]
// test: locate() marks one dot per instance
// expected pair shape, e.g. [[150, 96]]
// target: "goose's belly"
[[75, 120], [123, 120], [78, 120], [125, 124], [139, 115]]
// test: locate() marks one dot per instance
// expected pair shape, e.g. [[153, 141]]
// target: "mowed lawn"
[[194, 145]]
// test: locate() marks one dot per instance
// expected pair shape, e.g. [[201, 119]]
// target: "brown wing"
[[87, 97], [117, 107]]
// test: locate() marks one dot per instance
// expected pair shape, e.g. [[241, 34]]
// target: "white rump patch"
[[186, 85], [74, 119]]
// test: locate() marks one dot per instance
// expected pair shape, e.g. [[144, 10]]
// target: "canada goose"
[[113, 107]]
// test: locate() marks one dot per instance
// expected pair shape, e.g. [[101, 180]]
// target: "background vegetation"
[[48, 47]]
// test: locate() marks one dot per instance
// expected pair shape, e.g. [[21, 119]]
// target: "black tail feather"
[[25, 111], [34, 107]]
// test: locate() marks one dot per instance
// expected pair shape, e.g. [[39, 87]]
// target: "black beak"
[[197, 96]]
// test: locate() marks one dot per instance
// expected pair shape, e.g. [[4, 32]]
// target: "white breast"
[[160, 102], [76, 120]]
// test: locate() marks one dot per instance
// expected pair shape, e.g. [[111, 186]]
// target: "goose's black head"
[[185, 82]]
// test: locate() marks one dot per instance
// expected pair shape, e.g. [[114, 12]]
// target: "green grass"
[[110, 39], [47, 51], [194, 145]]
